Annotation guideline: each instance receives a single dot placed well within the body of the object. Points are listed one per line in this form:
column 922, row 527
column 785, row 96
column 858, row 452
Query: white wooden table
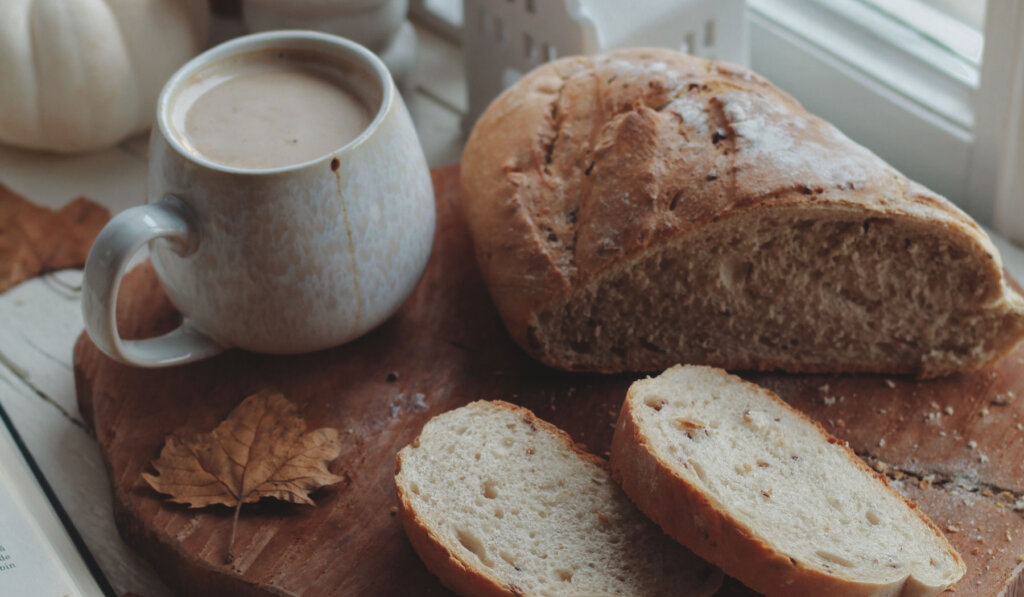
column 40, row 319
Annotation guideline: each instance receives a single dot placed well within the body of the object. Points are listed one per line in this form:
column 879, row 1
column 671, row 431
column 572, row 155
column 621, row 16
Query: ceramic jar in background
column 279, row 260
column 380, row 25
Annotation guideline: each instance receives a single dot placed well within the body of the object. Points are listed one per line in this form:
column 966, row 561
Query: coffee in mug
column 270, row 109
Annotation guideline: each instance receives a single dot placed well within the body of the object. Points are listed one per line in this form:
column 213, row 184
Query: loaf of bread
column 755, row 487
column 642, row 207
column 499, row 503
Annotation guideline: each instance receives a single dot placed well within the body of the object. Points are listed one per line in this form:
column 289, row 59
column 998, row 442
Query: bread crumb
column 890, row 383
column 828, row 400
column 394, row 510
column 983, row 458
column 984, row 412
column 1003, row 399
column 1020, row 558
column 976, row 551
column 972, row 444
column 881, row 467
column 952, row 528
column 840, row 423
column 948, row 410
column 935, row 405
column 1020, row 427
column 823, row 388
column 881, row 443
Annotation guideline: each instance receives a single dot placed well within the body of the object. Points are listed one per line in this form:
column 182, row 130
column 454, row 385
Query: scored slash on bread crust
column 755, row 487
column 497, row 502
column 639, row 208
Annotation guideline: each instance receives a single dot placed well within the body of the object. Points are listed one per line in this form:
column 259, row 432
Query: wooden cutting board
column 955, row 445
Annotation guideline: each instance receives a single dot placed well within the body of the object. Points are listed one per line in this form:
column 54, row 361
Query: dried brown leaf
column 261, row 450
column 34, row 239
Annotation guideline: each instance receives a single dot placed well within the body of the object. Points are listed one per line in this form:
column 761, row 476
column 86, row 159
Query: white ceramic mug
column 282, row 260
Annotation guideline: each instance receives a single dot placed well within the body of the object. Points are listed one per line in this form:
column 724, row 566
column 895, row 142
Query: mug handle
column 108, row 259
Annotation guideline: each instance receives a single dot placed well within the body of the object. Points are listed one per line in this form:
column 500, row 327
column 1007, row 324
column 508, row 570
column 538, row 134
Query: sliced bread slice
column 497, row 502
column 763, row 492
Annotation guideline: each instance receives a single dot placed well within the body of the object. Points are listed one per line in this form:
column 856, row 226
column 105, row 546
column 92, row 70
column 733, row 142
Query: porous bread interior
column 514, row 500
column 775, row 473
column 793, row 288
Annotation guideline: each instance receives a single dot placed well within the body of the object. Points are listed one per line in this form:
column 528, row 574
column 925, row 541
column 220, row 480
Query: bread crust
column 582, row 168
column 472, row 580
column 689, row 516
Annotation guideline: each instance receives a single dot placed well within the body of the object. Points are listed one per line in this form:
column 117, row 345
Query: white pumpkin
column 83, row 74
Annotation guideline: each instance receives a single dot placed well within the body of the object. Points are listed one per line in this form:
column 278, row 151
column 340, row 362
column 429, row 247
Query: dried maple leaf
column 35, row 239
column 261, row 450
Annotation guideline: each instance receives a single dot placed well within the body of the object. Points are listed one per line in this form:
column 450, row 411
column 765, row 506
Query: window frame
column 997, row 168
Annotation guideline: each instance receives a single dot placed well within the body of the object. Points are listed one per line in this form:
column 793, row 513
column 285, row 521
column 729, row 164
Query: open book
column 41, row 554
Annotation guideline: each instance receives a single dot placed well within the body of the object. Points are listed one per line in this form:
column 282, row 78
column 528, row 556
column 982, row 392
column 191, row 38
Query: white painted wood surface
column 41, row 318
